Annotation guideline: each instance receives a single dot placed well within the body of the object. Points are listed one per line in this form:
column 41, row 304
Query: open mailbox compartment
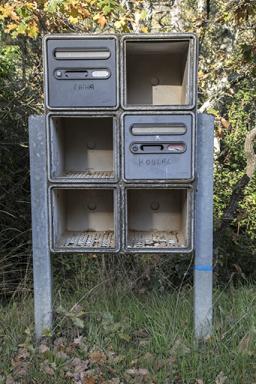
column 159, row 72
column 84, row 219
column 83, row 148
column 159, row 220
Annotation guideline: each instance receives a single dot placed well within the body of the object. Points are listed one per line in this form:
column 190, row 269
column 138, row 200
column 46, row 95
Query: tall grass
column 151, row 331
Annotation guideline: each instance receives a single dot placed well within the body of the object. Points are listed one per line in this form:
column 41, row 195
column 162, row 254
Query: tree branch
column 238, row 190
column 249, row 153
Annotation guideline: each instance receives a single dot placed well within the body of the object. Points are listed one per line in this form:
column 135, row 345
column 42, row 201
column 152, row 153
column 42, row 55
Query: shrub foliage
column 227, row 83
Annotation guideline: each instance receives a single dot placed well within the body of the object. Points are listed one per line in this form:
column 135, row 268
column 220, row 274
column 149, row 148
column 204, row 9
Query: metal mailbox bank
column 121, row 161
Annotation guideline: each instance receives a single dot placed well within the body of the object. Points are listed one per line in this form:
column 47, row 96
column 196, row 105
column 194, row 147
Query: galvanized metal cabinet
column 130, row 174
column 140, row 158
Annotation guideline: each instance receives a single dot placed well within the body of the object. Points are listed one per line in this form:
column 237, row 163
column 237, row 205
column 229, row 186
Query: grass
column 150, row 335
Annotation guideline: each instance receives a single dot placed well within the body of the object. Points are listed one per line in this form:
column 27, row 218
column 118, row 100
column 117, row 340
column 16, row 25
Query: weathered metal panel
column 204, row 227
column 40, row 225
column 164, row 161
column 72, row 66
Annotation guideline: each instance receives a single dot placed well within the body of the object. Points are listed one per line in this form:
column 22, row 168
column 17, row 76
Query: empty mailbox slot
column 82, row 147
column 157, row 73
column 83, row 218
column 158, row 218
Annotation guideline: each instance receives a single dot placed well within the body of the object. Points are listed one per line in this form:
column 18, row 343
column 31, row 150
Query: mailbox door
column 80, row 72
column 158, row 147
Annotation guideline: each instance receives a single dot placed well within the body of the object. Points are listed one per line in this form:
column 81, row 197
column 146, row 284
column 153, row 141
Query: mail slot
column 81, row 53
column 83, row 148
column 158, row 219
column 84, row 219
column 158, row 147
column 81, row 72
column 159, row 71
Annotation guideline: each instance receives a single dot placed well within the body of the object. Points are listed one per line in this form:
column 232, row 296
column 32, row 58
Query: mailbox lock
column 135, row 148
column 156, row 147
column 151, row 148
column 82, row 73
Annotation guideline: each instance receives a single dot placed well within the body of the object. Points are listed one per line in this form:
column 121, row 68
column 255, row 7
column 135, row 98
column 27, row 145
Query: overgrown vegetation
column 119, row 338
column 227, row 84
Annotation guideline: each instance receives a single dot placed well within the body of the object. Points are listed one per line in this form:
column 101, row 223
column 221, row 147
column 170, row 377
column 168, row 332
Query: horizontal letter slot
column 152, row 129
column 152, row 148
column 82, row 54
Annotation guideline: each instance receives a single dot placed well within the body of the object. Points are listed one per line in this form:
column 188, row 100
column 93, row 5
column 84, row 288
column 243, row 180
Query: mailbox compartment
column 84, row 219
column 158, row 219
column 159, row 71
column 83, row 148
column 81, row 71
column 158, row 147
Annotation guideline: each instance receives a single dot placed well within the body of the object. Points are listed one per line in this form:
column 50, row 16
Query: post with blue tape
column 203, row 273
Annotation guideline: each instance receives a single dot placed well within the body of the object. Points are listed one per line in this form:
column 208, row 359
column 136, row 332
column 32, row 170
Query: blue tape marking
column 205, row 268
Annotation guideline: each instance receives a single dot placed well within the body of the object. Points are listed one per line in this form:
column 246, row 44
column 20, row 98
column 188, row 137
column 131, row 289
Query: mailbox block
column 121, row 176
column 144, row 152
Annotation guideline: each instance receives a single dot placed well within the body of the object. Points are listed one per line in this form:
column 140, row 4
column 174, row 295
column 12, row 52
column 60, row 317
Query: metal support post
column 204, row 227
column 40, row 226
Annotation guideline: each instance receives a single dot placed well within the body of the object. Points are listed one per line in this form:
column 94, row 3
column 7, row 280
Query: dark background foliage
column 227, row 89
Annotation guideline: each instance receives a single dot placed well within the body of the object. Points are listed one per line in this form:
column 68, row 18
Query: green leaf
column 78, row 322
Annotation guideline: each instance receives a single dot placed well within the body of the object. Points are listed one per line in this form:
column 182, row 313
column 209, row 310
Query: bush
column 227, row 80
